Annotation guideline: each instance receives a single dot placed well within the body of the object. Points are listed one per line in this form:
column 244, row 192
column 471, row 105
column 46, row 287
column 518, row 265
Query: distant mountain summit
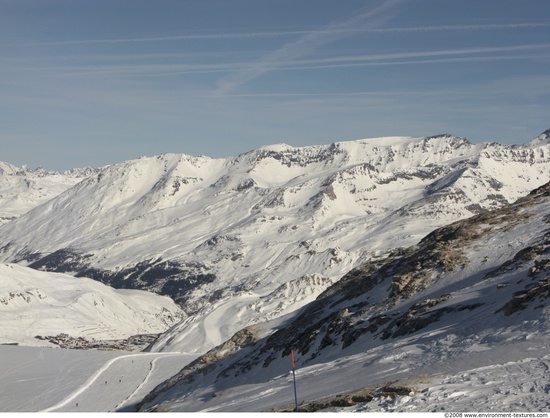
column 260, row 235
column 21, row 188
column 543, row 138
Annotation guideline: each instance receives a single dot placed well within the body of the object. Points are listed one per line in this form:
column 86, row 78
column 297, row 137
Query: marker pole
column 294, row 378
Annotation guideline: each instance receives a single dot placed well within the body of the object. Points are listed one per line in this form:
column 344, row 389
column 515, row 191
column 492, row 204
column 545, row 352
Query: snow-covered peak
column 212, row 233
column 22, row 189
column 7, row 169
column 273, row 148
column 542, row 139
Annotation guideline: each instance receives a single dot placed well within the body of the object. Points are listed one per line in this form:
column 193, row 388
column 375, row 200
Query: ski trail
column 92, row 380
column 145, row 380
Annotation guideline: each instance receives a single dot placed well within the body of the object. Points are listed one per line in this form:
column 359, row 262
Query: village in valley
column 133, row 343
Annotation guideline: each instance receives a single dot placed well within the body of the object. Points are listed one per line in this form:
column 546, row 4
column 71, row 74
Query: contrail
column 399, row 58
column 349, row 60
column 306, row 44
column 342, row 31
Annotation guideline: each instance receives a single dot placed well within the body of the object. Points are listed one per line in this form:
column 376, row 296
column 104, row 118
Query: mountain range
column 262, row 234
column 21, row 188
column 409, row 256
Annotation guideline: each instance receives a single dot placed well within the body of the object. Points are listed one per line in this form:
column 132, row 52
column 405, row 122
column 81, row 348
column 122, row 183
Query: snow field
column 35, row 378
column 55, row 380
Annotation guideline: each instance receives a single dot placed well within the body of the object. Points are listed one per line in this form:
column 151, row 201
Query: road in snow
column 52, row 379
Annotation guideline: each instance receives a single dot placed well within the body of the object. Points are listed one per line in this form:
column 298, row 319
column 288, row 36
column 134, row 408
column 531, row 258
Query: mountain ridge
column 456, row 302
column 22, row 189
column 205, row 231
column 399, row 259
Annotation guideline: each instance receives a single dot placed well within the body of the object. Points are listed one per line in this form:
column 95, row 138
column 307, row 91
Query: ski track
column 145, row 381
column 86, row 385
column 108, row 372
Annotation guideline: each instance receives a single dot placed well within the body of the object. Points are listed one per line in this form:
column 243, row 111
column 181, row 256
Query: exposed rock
column 538, row 291
column 391, row 389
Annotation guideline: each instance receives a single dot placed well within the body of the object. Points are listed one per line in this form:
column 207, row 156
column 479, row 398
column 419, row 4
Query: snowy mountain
column 35, row 303
column 21, row 189
column 361, row 256
column 458, row 322
column 258, row 236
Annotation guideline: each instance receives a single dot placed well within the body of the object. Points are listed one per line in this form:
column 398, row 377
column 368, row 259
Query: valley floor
column 52, row 379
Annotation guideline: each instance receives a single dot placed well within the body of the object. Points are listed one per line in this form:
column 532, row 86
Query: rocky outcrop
column 390, row 389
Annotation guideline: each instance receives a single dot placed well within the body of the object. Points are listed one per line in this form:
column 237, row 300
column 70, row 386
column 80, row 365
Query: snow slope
column 36, row 379
column 47, row 304
column 458, row 322
column 21, row 189
column 460, row 319
column 266, row 231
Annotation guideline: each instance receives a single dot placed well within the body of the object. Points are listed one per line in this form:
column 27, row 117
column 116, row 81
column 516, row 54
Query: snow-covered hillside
column 333, row 251
column 35, row 303
column 458, row 322
column 262, row 234
column 21, row 189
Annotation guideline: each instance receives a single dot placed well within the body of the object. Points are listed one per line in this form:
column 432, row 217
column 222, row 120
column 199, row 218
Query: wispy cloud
column 389, row 59
column 288, row 64
column 496, row 26
column 307, row 44
column 180, row 38
column 345, row 31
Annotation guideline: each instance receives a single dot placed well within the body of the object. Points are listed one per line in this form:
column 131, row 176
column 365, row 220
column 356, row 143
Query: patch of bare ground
column 538, row 292
column 390, row 389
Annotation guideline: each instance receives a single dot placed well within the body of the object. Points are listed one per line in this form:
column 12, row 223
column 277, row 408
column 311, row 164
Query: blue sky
column 96, row 82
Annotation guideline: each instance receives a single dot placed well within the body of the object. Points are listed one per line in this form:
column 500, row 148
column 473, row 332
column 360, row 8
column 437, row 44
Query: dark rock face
column 160, row 276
